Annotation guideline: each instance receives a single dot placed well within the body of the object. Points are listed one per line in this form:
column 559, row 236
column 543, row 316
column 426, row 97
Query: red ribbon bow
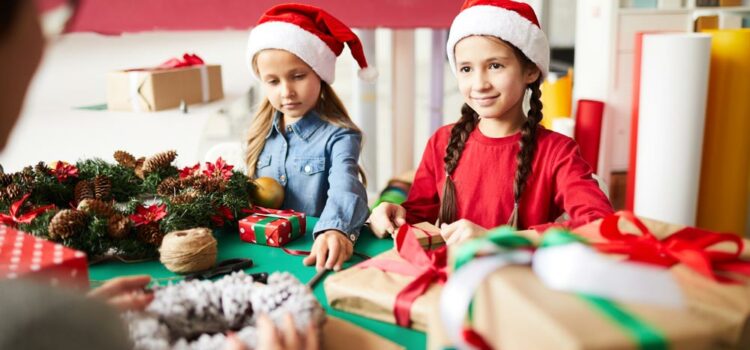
column 268, row 211
column 14, row 219
column 689, row 246
column 429, row 266
column 188, row 60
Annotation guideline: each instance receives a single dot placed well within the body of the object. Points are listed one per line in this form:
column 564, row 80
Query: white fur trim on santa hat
column 368, row 74
column 504, row 24
column 286, row 36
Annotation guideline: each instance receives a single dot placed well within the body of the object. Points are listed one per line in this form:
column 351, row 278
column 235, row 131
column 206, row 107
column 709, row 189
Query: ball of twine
column 188, row 251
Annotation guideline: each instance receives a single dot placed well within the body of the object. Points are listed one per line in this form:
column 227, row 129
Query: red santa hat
column 312, row 34
column 511, row 21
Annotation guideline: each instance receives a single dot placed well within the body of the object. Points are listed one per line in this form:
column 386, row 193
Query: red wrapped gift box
column 25, row 256
column 272, row 227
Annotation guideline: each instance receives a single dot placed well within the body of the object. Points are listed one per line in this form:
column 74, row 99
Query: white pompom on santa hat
column 312, row 34
column 511, row 21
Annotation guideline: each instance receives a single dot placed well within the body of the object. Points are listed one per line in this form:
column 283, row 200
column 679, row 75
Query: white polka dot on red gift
column 79, row 255
column 242, row 230
column 15, row 259
column 11, row 275
column 17, row 252
column 58, row 247
column 35, row 267
column 74, row 273
column 57, row 261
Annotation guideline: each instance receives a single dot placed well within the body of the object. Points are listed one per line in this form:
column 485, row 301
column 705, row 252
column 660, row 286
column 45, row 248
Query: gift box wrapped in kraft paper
column 398, row 286
column 165, row 86
column 428, row 235
column 613, row 289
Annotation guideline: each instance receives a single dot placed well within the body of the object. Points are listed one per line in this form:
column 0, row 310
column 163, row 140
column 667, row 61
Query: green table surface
column 270, row 259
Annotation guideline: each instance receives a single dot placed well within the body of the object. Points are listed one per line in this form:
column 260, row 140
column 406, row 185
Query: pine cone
column 125, row 159
column 159, row 161
column 25, row 177
column 6, row 179
column 209, row 184
column 84, row 190
column 14, row 191
column 118, row 226
column 169, row 187
column 102, row 187
column 97, row 208
column 185, row 198
column 66, row 223
column 41, row 168
column 139, row 168
column 150, row 234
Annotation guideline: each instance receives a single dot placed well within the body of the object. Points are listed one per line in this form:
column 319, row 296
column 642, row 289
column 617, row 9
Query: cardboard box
column 428, row 235
column 512, row 307
column 372, row 293
column 25, row 256
column 157, row 89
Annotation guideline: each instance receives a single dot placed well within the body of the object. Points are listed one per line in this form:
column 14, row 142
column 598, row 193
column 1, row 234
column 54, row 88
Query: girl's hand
column 330, row 250
column 386, row 218
column 460, row 231
column 125, row 293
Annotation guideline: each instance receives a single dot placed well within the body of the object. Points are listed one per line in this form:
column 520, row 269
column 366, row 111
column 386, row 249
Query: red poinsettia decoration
column 148, row 214
column 63, row 171
column 14, row 217
column 190, row 171
column 223, row 214
column 219, row 169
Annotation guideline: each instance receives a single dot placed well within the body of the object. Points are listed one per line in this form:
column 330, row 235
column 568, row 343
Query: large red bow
column 427, row 265
column 13, row 218
column 188, row 60
column 689, row 246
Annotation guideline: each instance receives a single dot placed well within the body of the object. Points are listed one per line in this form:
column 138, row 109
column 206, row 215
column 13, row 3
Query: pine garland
column 114, row 194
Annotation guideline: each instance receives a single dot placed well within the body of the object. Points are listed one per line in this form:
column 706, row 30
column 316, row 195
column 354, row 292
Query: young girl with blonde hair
column 302, row 135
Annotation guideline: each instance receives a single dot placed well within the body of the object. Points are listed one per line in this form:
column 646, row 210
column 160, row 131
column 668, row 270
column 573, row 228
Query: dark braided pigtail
column 527, row 147
column 459, row 134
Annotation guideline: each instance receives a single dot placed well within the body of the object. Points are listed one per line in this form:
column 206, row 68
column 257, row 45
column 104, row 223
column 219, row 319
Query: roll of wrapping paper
column 674, row 80
column 557, row 97
column 588, row 130
column 723, row 199
column 630, row 179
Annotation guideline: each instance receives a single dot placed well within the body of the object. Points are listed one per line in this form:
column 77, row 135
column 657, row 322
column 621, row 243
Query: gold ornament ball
column 268, row 193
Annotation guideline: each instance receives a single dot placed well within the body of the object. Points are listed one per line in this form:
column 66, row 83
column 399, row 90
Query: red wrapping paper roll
column 588, row 130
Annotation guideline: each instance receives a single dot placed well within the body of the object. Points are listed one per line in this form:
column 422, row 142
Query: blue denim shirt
column 316, row 162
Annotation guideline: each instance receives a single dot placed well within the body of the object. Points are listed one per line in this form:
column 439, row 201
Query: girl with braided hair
column 497, row 165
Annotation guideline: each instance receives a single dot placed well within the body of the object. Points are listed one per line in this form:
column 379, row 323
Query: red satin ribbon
column 689, row 246
column 268, row 211
column 428, row 266
column 14, row 219
column 188, row 60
